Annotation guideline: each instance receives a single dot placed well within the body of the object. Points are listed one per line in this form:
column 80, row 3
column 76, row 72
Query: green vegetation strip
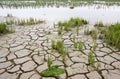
column 3, row 28
column 53, row 71
column 112, row 35
column 72, row 23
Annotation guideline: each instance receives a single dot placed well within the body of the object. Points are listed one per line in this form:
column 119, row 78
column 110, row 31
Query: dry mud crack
column 19, row 57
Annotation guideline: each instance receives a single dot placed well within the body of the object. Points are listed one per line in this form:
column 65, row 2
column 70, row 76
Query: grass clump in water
column 87, row 32
column 112, row 35
column 30, row 21
column 99, row 24
column 93, row 34
column 72, row 23
column 3, row 28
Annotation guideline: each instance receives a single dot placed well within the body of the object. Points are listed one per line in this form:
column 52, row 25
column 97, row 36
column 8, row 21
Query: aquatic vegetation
column 112, row 35
column 30, row 21
column 93, row 34
column 52, row 70
column 99, row 24
column 9, row 15
column 91, row 59
column 10, row 22
column 72, row 23
column 87, row 32
column 3, row 28
column 51, row 3
column 102, row 34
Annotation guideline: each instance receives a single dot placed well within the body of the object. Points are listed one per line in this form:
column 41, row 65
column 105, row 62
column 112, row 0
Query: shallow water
column 92, row 13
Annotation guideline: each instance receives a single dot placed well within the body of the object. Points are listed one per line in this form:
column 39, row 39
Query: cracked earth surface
column 23, row 55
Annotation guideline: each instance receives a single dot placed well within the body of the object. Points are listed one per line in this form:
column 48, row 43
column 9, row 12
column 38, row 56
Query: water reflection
column 56, row 10
column 56, row 3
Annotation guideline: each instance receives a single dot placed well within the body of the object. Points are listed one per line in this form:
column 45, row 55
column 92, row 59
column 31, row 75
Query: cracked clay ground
column 23, row 55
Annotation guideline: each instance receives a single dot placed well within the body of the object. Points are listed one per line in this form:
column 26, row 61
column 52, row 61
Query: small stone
column 28, row 66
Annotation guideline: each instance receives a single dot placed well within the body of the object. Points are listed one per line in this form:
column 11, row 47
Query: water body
column 53, row 12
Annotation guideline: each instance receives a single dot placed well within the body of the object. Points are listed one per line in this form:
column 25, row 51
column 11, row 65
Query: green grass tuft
column 99, row 24
column 112, row 35
column 91, row 59
column 3, row 28
column 52, row 72
column 72, row 23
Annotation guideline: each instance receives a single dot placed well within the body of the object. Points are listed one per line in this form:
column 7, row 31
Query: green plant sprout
column 91, row 59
